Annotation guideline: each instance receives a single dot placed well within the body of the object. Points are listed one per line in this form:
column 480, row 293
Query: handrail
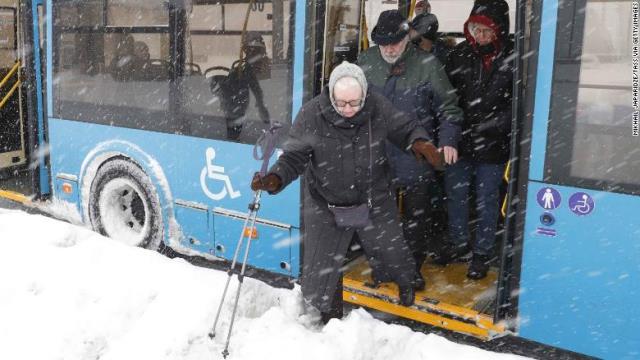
column 14, row 87
column 10, row 73
column 507, row 171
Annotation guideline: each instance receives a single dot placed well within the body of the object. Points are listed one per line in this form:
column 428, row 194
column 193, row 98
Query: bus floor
column 450, row 300
column 16, row 184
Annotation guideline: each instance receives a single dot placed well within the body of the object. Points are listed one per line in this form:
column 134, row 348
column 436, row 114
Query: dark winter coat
column 418, row 85
column 484, row 93
column 333, row 154
column 441, row 49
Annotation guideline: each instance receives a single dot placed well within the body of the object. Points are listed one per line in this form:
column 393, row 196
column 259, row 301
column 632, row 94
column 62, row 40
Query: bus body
column 149, row 115
column 580, row 251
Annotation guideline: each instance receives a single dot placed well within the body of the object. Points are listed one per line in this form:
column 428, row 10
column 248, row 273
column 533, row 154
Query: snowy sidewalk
column 68, row 293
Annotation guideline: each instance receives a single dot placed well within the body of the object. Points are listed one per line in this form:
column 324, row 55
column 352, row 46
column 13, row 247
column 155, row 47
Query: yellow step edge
column 14, row 196
column 439, row 314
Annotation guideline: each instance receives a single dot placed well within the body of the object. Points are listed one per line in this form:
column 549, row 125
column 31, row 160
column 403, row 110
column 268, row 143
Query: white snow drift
column 68, row 293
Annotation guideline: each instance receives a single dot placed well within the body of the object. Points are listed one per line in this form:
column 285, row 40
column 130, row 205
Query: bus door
column 450, row 300
column 579, row 281
column 12, row 135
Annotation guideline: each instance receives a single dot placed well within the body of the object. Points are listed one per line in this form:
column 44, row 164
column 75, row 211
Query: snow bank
column 68, row 293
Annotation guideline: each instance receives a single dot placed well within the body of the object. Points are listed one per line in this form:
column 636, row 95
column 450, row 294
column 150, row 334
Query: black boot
column 374, row 284
column 407, row 295
column 479, row 267
column 325, row 317
column 378, row 277
column 450, row 254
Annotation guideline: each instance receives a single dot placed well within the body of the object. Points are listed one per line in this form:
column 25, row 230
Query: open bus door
column 22, row 132
column 450, row 300
column 12, row 136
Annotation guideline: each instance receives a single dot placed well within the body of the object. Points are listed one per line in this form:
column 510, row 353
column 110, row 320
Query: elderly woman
column 337, row 141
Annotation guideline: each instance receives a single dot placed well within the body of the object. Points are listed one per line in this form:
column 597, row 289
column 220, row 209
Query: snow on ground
column 69, row 293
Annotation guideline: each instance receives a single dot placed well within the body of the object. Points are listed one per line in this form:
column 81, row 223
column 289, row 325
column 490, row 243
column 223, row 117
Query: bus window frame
column 565, row 86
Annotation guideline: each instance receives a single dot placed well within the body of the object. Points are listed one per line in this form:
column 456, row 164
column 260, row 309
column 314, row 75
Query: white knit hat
column 347, row 69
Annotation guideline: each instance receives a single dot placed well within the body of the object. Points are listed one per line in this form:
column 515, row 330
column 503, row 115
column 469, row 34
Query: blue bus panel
column 197, row 180
column 580, row 279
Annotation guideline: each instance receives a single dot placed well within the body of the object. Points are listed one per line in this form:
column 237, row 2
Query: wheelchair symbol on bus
column 215, row 172
column 581, row 203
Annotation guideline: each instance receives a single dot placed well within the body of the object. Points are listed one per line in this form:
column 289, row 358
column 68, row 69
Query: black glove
column 270, row 182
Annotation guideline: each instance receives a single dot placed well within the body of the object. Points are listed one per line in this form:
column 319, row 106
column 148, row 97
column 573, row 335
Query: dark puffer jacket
column 333, row 154
column 483, row 79
column 417, row 85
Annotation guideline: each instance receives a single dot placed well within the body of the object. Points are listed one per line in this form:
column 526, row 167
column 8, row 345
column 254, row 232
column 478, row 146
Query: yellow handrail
column 13, row 89
column 412, row 9
column 6, row 79
column 10, row 73
column 505, row 177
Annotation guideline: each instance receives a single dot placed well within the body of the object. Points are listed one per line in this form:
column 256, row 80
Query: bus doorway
column 12, row 139
column 450, row 300
column 16, row 179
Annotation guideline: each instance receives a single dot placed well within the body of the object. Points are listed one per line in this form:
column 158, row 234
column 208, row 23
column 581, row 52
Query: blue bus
column 141, row 116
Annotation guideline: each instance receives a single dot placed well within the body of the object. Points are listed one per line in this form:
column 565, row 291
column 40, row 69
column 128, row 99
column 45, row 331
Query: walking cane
column 266, row 143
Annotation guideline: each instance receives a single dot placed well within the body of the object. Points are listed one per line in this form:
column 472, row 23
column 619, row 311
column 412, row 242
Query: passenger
column 424, row 34
column 122, row 66
column 480, row 70
column 415, row 82
column 337, row 141
column 257, row 67
column 142, row 62
column 422, row 7
column 243, row 77
column 141, row 52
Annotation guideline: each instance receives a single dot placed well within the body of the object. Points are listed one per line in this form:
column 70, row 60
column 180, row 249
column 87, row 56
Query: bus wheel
column 124, row 205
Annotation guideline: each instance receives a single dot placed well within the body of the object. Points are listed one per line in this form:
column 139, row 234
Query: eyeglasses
column 352, row 103
column 484, row 31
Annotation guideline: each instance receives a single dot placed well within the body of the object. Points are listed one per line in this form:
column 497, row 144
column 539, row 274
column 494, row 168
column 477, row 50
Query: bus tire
column 124, row 205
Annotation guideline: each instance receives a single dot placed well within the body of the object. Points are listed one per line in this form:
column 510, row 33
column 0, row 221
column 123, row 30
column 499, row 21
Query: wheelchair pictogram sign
column 215, row 172
column 581, row 203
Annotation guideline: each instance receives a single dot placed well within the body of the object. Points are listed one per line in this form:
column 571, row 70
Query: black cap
column 390, row 29
column 426, row 25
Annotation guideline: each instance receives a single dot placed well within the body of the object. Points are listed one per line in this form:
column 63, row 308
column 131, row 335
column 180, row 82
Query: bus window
column 114, row 73
column 147, row 13
column 590, row 141
column 237, row 69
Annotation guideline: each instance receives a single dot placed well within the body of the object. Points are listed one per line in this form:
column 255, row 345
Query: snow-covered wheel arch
column 124, row 205
column 129, row 178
